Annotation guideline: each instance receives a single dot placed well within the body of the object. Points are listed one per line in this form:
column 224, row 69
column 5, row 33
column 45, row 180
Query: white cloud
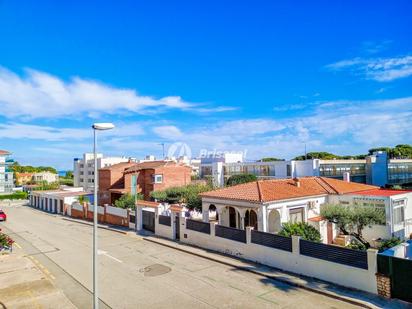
column 379, row 69
column 42, row 95
column 47, row 133
column 168, row 132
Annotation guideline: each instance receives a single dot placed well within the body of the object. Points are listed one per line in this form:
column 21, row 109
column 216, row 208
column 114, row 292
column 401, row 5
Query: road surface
column 134, row 273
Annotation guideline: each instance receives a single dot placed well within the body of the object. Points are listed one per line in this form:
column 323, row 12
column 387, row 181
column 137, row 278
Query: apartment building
column 376, row 169
column 83, row 169
column 6, row 175
column 145, row 177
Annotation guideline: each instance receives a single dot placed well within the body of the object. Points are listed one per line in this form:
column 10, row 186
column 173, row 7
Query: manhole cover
column 155, row 270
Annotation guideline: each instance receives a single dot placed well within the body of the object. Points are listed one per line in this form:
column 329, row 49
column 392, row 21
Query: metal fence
column 272, row 240
column 165, row 220
column 350, row 257
column 400, row 272
column 198, row 226
column 230, row 233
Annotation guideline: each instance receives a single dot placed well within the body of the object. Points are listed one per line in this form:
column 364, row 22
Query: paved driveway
column 134, row 273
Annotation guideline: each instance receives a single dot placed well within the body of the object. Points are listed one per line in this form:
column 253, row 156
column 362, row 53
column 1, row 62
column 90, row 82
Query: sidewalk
column 355, row 297
column 113, row 228
column 25, row 283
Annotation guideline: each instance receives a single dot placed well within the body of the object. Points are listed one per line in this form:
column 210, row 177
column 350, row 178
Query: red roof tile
column 284, row 189
column 151, row 165
column 382, row 192
column 148, row 204
column 4, row 152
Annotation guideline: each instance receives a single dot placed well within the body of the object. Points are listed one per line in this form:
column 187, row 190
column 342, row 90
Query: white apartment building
column 6, row 175
column 83, row 169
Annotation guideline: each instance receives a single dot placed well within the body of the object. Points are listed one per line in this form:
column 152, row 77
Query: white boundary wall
column 116, row 211
column 77, row 206
column 340, row 274
column 100, row 209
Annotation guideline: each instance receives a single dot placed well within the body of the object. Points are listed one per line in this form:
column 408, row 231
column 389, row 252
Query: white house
column 267, row 204
column 45, row 176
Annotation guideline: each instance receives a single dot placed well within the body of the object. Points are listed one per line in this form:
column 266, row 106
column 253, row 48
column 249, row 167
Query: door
column 401, row 278
column 61, row 206
column 177, row 226
column 329, row 228
column 148, row 220
column 232, row 217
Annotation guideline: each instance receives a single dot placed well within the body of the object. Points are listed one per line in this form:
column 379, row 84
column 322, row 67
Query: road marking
column 101, row 252
column 17, row 245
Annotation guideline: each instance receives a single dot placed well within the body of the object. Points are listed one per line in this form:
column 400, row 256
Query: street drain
column 155, row 270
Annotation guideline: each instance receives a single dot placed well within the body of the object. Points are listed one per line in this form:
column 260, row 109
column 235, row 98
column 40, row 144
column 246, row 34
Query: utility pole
column 163, row 147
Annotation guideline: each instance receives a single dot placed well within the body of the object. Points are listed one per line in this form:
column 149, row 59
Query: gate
column 177, row 226
column 400, row 272
column 148, row 220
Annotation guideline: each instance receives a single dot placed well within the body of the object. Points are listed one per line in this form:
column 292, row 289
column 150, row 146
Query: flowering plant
column 5, row 241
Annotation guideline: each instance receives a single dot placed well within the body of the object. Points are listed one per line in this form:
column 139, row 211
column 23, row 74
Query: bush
column 356, row 245
column 14, row 196
column 5, row 241
column 128, row 201
column 304, row 230
column 389, row 243
column 242, row 178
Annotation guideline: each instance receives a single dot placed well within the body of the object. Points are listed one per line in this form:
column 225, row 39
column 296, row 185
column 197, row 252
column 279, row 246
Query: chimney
column 297, row 182
column 346, row 176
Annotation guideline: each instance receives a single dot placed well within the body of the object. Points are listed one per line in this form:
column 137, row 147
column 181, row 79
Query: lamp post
column 96, row 127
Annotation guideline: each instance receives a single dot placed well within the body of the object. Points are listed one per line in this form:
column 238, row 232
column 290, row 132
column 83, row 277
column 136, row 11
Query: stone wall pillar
column 139, row 218
column 296, row 244
column 249, row 234
column 384, row 285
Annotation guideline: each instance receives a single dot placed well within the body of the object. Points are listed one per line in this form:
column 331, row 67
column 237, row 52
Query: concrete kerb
column 165, row 242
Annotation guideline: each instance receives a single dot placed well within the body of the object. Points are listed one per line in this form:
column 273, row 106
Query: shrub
column 356, row 245
column 304, row 230
column 5, row 241
column 389, row 243
column 20, row 195
column 128, row 201
column 238, row 179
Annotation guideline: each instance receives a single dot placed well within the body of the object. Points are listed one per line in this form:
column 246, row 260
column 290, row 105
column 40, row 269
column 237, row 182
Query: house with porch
column 267, row 204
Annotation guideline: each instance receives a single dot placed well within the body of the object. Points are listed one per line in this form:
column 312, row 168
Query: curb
column 352, row 301
column 99, row 226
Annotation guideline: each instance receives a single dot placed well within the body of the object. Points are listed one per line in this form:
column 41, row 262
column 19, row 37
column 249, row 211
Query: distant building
column 6, row 174
column 83, row 169
column 48, row 177
column 144, row 178
column 376, row 169
column 23, row 178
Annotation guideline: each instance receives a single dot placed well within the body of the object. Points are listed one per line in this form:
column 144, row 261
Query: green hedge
column 14, row 196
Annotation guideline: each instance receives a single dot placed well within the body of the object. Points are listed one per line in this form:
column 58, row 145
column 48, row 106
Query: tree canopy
column 17, row 168
column 186, row 194
column 270, row 159
column 352, row 219
column 241, row 178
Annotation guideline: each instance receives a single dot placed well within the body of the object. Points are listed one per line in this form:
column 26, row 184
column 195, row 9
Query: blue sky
column 264, row 77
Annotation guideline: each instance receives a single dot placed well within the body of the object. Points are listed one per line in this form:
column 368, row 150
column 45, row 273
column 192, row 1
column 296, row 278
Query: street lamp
column 96, row 127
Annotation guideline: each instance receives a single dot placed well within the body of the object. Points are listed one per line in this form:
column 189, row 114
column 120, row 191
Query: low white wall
column 100, row 209
column 163, row 230
column 77, row 206
column 116, row 211
column 290, row 261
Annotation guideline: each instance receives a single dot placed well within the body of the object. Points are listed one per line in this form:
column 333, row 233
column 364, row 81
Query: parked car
column 3, row 215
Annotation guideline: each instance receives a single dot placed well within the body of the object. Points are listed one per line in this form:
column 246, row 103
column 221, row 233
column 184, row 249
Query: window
column 157, row 178
column 398, row 215
column 288, row 170
column 297, row 215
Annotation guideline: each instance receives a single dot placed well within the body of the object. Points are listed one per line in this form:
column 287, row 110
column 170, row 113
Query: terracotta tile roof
column 284, row 189
column 151, row 165
column 175, row 207
column 119, row 166
column 383, row 192
column 148, row 204
column 316, row 219
column 4, row 152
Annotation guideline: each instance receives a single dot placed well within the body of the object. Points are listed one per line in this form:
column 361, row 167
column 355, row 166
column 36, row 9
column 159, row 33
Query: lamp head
column 103, row 126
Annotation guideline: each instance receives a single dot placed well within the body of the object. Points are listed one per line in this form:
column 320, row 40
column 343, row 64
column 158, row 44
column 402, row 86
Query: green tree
column 128, row 201
column 270, row 159
column 352, row 220
column 318, row 155
column 239, row 179
column 389, row 243
column 304, row 230
column 83, row 199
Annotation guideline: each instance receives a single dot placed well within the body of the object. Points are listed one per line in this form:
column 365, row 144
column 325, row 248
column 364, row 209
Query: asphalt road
column 134, row 273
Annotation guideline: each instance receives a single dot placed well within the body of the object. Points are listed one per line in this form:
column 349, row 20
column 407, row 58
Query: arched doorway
column 274, row 225
column 211, row 209
column 232, row 217
column 251, row 219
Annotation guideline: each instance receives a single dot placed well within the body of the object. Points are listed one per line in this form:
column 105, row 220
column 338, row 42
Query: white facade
column 83, row 169
column 45, row 176
column 6, row 177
